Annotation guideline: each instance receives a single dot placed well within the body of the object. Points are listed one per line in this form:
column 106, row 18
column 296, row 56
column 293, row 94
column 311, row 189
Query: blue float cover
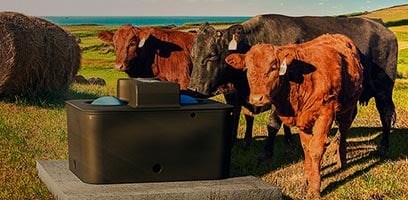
column 107, row 101
column 185, row 99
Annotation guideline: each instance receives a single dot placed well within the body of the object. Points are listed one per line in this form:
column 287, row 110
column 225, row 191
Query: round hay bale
column 37, row 57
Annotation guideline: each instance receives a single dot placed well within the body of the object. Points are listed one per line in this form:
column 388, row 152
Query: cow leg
column 344, row 122
column 307, row 165
column 314, row 147
column 249, row 118
column 386, row 108
column 288, row 139
column 232, row 99
column 273, row 127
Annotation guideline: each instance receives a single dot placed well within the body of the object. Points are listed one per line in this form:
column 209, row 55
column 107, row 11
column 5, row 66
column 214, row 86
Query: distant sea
column 141, row 20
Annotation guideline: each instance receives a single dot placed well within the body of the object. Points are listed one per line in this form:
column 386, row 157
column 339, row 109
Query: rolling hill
column 392, row 16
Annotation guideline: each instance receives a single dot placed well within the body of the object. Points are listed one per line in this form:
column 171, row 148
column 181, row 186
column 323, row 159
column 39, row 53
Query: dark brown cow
column 311, row 84
column 152, row 52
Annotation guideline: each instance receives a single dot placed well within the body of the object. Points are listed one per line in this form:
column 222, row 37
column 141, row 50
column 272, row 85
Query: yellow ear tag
column 232, row 44
column 141, row 43
column 283, row 68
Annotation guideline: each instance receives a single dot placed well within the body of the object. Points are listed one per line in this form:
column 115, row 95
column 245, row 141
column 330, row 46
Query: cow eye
column 213, row 51
column 132, row 43
column 268, row 73
column 271, row 69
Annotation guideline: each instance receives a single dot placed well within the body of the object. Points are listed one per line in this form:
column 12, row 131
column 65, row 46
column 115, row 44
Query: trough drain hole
column 193, row 115
column 157, row 168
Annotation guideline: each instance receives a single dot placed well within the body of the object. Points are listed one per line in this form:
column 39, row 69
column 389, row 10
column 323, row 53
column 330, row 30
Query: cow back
column 377, row 45
column 172, row 60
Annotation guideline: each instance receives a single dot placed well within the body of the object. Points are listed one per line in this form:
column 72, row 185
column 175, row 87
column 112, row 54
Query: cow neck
column 283, row 80
column 159, row 45
column 238, row 78
column 148, row 60
column 281, row 99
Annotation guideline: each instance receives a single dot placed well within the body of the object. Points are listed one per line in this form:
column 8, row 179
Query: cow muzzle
column 259, row 100
column 120, row 67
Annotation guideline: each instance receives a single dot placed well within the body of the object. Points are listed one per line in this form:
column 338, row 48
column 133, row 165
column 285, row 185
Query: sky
column 192, row 7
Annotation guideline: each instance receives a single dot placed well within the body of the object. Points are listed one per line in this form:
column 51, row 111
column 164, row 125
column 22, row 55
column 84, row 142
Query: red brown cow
column 152, row 52
column 311, row 84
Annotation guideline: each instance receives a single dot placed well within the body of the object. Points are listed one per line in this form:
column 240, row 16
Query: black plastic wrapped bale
column 122, row 144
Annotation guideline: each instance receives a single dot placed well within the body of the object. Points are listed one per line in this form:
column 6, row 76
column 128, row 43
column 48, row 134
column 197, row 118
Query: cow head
column 210, row 48
column 266, row 66
column 129, row 42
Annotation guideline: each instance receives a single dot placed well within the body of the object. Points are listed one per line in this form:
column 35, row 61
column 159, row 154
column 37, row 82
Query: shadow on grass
column 53, row 101
column 361, row 156
column 365, row 136
column 397, row 23
column 246, row 162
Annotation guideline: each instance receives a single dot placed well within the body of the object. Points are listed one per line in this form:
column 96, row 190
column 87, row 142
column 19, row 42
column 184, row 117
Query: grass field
column 37, row 131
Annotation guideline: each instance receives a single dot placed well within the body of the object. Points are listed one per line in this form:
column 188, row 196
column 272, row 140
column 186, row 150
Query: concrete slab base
column 63, row 184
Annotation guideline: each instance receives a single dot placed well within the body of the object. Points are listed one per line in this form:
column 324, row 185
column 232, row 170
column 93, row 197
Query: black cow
column 377, row 45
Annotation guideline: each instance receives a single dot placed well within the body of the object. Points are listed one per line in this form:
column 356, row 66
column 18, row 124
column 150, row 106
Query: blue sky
column 192, row 7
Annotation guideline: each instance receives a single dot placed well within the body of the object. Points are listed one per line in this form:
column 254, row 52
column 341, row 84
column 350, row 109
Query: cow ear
column 106, row 36
column 206, row 28
column 236, row 29
column 203, row 26
column 236, row 60
column 143, row 35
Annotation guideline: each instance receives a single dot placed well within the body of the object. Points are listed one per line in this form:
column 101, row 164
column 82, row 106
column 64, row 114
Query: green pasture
column 37, row 131
column 402, row 36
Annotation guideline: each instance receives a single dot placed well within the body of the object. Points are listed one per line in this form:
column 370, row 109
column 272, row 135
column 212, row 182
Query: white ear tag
column 232, row 45
column 283, row 68
column 141, row 43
